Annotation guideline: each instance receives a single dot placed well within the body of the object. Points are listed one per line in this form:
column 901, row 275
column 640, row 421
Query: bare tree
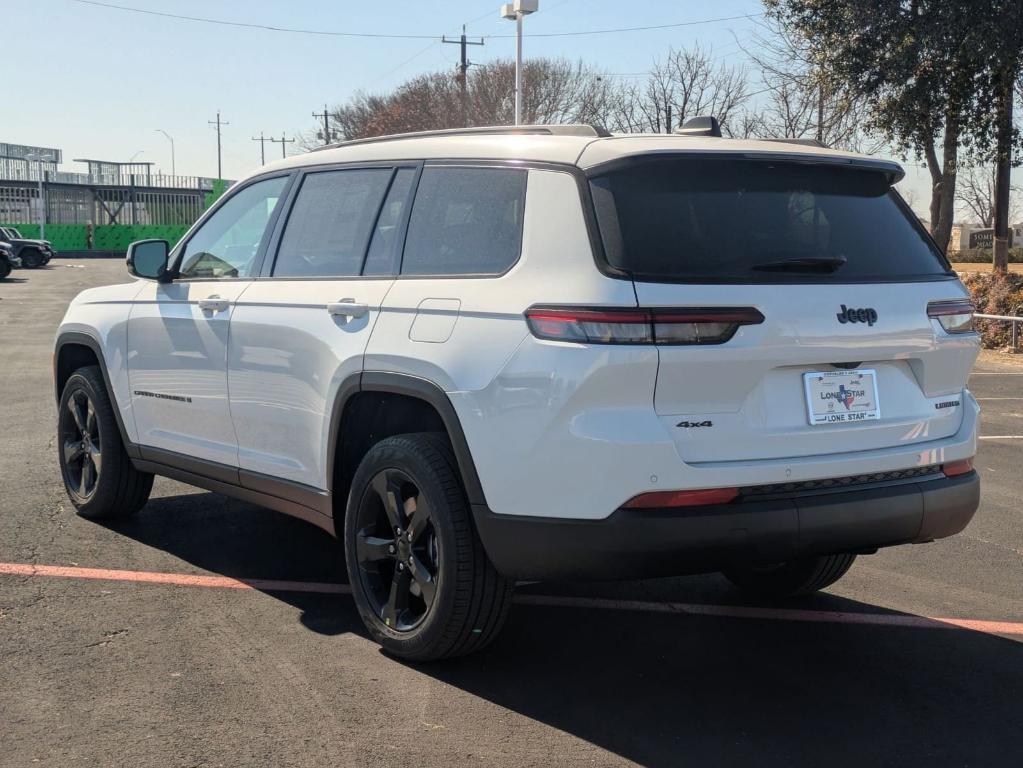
column 975, row 191
column 683, row 84
column 803, row 101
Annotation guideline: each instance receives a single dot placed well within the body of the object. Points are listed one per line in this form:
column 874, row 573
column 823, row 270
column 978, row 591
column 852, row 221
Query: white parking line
column 997, row 373
column 1000, row 437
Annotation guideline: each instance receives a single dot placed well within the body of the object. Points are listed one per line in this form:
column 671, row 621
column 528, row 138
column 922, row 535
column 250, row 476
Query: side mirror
column 148, row 259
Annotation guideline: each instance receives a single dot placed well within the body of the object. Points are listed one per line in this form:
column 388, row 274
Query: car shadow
column 661, row 688
column 243, row 541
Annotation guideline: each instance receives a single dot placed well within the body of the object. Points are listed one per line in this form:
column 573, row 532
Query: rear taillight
column 667, row 499
column 955, row 316
column 954, row 468
column 684, row 325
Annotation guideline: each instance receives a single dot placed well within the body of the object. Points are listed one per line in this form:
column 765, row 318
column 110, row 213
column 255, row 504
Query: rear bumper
column 635, row 543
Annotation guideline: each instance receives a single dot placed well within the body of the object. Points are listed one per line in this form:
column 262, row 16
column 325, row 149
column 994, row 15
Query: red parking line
column 175, row 579
column 700, row 609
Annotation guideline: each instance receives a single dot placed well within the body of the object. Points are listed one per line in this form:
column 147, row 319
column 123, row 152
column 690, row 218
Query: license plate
column 836, row 397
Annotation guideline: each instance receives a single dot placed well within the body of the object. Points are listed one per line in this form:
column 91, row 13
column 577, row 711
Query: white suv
column 484, row 355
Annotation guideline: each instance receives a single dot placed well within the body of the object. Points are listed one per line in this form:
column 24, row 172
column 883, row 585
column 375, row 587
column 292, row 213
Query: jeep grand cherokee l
column 485, row 355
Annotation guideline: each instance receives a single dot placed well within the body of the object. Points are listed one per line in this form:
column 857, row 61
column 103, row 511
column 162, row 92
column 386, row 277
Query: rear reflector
column 666, row 499
column 955, row 316
column 684, row 325
column 954, row 468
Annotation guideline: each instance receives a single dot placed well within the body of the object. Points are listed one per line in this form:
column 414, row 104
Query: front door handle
column 347, row 308
column 213, row 304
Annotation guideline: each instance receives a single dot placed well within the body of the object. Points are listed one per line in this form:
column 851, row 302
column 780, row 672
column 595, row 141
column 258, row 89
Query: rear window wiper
column 803, row 264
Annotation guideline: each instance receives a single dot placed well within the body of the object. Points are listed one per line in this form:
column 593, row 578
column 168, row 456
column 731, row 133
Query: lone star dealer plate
column 835, row 397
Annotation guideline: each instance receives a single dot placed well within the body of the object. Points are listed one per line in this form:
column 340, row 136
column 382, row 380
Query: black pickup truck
column 33, row 253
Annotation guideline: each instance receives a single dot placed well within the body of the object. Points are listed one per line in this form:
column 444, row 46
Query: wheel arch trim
column 420, row 389
column 78, row 338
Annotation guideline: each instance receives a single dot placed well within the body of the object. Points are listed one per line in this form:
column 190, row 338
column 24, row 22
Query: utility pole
column 262, row 147
column 325, row 115
column 464, row 63
column 283, row 141
column 463, row 67
column 218, row 123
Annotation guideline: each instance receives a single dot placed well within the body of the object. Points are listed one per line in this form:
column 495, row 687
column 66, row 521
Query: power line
column 635, row 29
column 252, row 25
column 389, row 36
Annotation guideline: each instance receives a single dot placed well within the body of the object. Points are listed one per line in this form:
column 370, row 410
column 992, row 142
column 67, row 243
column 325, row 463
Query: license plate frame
column 828, row 401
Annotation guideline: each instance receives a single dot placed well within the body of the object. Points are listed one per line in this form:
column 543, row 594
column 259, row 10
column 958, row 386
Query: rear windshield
column 714, row 219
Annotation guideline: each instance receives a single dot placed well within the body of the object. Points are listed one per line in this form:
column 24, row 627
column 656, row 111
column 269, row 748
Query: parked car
column 7, row 260
column 33, row 253
column 484, row 355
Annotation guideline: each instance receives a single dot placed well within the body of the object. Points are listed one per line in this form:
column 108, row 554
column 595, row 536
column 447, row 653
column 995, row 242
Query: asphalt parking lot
column 915, row 658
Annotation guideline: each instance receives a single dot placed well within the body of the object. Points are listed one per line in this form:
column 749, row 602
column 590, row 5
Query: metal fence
column 1014, row 319
column 105, row 199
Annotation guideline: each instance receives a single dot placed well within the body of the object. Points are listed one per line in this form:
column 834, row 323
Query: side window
column 382, row 258
column 227, row 243
column 330, row 224
column 465, row 221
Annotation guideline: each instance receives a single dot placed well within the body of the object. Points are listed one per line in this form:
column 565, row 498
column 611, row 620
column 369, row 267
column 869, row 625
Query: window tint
column 382, row 258
column 227, row 243
column 330, row 223
column 465, row 221
column 739, row 220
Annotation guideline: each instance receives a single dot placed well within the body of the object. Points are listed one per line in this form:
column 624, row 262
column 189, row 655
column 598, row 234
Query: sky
column 99, row 82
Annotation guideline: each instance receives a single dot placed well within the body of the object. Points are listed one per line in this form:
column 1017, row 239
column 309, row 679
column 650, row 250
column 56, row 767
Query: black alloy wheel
column 81, row 445
column 397, row 550
column 101, row 481
column 421, row 579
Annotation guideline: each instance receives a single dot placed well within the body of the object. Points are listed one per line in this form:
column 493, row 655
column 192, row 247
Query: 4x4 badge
column 866, row 315
column 690, row 424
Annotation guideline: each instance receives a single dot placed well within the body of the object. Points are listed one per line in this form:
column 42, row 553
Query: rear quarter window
column 714, row 219
column 465, row 221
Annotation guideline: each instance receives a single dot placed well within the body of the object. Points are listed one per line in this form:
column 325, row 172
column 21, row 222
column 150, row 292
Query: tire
column 98, row 475
column 423, row 585
column 31, row 258
column 792, row 578
column 5, row 268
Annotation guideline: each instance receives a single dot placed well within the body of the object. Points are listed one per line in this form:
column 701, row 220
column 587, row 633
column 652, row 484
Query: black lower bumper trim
column 638, row 543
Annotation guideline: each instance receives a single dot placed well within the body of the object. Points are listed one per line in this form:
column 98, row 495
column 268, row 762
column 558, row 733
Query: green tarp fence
column 109, row 237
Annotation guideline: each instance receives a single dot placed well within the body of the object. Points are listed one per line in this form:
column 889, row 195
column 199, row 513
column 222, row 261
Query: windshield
column 714, row 219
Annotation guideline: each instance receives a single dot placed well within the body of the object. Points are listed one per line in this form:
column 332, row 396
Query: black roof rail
column 704, row 125
column 804, row 142
column 575, row 129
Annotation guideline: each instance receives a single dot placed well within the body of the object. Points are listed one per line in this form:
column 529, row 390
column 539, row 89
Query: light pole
column 516, row 11
column 40, row 159
column 170, row 138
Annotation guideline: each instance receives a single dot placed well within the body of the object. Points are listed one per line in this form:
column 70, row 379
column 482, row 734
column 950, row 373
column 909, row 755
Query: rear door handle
column 347, row 308
column 213, row 304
